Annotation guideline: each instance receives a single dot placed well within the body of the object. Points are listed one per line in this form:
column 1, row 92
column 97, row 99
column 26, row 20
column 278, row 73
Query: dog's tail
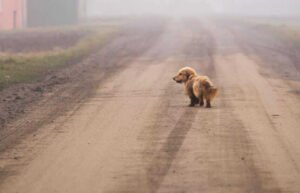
column 212, row 92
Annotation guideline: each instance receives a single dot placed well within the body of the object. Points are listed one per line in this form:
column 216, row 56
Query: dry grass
column 285, row 31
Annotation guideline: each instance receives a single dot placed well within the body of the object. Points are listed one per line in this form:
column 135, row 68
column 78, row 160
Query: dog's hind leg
column 208, row 105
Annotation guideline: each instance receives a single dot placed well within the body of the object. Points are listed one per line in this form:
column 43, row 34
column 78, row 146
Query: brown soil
column 40, row 40
column 74, row 80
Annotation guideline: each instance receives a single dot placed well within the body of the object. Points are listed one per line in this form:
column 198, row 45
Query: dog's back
column 204, row 86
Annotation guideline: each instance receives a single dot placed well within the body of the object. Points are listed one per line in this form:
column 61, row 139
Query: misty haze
column 194, row 7
column 149, row 96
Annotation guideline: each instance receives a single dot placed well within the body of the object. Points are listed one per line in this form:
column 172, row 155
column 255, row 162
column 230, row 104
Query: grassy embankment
column 18, row 68
column 288, row 29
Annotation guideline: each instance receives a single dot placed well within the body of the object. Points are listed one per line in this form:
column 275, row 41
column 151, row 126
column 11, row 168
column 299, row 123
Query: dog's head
column 184, row 74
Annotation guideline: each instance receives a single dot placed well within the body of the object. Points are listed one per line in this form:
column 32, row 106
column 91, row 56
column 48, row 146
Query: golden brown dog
column 196, row 87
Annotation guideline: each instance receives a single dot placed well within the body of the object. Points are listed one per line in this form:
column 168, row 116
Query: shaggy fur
column 198, row 88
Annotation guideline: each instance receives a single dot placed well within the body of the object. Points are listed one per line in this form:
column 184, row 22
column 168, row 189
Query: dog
column 197, row 88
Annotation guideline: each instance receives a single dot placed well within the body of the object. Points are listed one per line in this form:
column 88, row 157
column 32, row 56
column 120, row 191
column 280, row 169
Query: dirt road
column 135, row 133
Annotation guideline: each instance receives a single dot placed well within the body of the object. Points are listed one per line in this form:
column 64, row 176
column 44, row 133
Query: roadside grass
column 19, row 68
column 285, row 31
column 288, row 29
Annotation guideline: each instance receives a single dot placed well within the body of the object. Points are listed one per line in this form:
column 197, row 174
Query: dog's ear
column 188, row 74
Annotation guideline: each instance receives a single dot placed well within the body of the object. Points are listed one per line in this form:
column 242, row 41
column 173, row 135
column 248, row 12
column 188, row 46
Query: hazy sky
column 265, row 7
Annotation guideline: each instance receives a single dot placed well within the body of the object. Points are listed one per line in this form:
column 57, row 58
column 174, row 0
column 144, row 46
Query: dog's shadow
column 162, row 162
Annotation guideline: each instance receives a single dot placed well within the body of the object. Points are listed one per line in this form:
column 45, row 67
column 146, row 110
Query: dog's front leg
column 194, row 101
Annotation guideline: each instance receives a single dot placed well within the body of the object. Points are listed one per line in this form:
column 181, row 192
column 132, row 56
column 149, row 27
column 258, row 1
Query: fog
column 194, row 7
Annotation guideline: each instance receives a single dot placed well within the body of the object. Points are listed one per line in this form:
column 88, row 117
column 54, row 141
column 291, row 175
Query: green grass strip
column 19, row 68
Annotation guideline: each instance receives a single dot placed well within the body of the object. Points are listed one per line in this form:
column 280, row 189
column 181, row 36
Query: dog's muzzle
column 178, row 81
